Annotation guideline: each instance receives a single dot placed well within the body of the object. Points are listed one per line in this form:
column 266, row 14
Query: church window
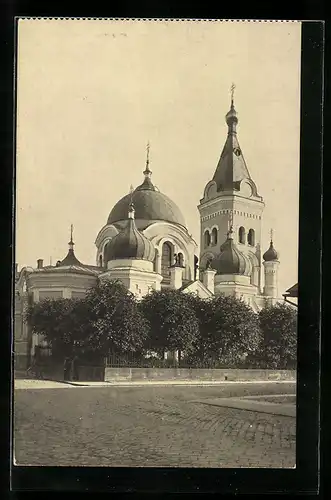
column 166, row 260
column 251, row 237
column 207, row 238
column 181, row 260
column 242, row 235
column 214, row 236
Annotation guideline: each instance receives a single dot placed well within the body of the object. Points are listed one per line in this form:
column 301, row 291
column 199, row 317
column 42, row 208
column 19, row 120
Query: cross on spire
column 71, row 242
column 271, row 235
column 232, row 88
column 147, row 172
column 147, row 151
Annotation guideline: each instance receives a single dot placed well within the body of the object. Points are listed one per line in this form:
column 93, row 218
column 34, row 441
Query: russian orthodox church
column 146, row 245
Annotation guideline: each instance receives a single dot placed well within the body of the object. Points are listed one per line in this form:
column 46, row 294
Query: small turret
column 271, row 264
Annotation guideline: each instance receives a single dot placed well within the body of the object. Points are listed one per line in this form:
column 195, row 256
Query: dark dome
column 270, row 254
column 130, row 244
column 149, row 205
column 231, row 260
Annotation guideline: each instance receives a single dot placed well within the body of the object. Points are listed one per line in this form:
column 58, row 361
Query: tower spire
column 71, row 242
column 271, row 235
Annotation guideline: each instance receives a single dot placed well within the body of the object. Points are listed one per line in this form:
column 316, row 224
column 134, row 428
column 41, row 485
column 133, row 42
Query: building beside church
column 145, row 243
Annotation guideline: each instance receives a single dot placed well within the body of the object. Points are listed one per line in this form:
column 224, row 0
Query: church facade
column 145, row 244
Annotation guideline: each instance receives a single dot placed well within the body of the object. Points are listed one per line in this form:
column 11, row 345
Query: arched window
column 100, row 260
column 180, row 259
column 242, row 235
column 207, row 238
column 166, row 260
column 196, row 267
column 105, row 253
column 214, row 236
column 251, row 237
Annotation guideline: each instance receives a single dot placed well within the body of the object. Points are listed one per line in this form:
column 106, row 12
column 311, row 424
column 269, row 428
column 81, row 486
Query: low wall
column 196, row 374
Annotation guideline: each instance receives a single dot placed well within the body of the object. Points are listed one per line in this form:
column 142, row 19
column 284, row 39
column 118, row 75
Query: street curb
column 171, row 383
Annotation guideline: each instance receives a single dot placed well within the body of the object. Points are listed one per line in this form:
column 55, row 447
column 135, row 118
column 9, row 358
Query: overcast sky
column 92, row 93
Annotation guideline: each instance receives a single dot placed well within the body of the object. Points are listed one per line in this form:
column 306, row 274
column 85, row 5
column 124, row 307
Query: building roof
column 292, row 291
column 231, row 168
column 130, row 243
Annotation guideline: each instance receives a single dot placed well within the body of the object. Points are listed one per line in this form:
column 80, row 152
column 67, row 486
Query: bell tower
column 232, row 193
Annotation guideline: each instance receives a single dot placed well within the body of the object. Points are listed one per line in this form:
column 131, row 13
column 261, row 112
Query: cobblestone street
column 153, row 426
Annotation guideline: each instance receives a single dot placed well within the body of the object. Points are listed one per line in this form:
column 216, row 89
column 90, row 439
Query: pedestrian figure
column 74, row 368
column 66, row 368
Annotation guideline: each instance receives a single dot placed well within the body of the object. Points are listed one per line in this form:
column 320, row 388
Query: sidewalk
column 48, row 384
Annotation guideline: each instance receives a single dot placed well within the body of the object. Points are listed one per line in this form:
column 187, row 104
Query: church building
column 146, row 245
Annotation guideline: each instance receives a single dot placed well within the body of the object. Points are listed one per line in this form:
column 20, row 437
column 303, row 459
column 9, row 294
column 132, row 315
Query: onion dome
column 271, row 254
column 150, row 205
column 231, row 260
column 70, row 259
column 130, row 243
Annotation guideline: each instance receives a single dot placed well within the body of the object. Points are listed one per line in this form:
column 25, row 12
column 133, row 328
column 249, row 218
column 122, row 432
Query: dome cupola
column 230, row 260
column 130, row 243
column 271, row 254
column 150, row 205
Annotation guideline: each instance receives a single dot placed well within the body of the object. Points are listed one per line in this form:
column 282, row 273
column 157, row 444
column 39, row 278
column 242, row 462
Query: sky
column 92, row 93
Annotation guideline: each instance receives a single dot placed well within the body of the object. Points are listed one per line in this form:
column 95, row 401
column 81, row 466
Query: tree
column 203, row 343
column 115, row 323
column 106, row 319
column 172, row 321
column 59, row 321
column 279, row 336
column 229, row 331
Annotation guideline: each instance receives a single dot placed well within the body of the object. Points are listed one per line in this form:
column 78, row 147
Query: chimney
column 176, row 277
column 40, row 264
column 208, row 278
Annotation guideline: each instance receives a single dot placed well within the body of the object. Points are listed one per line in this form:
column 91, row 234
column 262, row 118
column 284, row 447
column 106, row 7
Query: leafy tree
column 107, row 319
column 60, row 321
column 229, row 331
column 279, row 336
column 115, row 322
column 172, row 320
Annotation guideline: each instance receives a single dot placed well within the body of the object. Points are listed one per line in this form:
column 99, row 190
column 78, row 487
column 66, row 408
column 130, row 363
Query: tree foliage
column 221, row 331
column 173, row 325
column 107, row 319
column 229, row 330
column 62, row 322
column 116, row 324
column 278, row 325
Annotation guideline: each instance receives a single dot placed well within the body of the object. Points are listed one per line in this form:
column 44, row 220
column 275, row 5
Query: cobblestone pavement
column 150, row 426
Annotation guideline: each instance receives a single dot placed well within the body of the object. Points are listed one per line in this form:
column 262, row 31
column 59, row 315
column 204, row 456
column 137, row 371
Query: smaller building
column 292, row 293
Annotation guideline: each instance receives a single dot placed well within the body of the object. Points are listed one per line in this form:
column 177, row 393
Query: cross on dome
column 232, row 89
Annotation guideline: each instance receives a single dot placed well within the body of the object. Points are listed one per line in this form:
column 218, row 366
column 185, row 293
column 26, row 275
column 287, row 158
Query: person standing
column 74, row 367
column 66, row 368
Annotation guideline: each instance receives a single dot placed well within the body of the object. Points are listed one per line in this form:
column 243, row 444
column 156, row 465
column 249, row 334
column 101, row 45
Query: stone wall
column 194, row 374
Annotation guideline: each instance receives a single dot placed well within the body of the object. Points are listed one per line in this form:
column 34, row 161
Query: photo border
column 305, row 478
